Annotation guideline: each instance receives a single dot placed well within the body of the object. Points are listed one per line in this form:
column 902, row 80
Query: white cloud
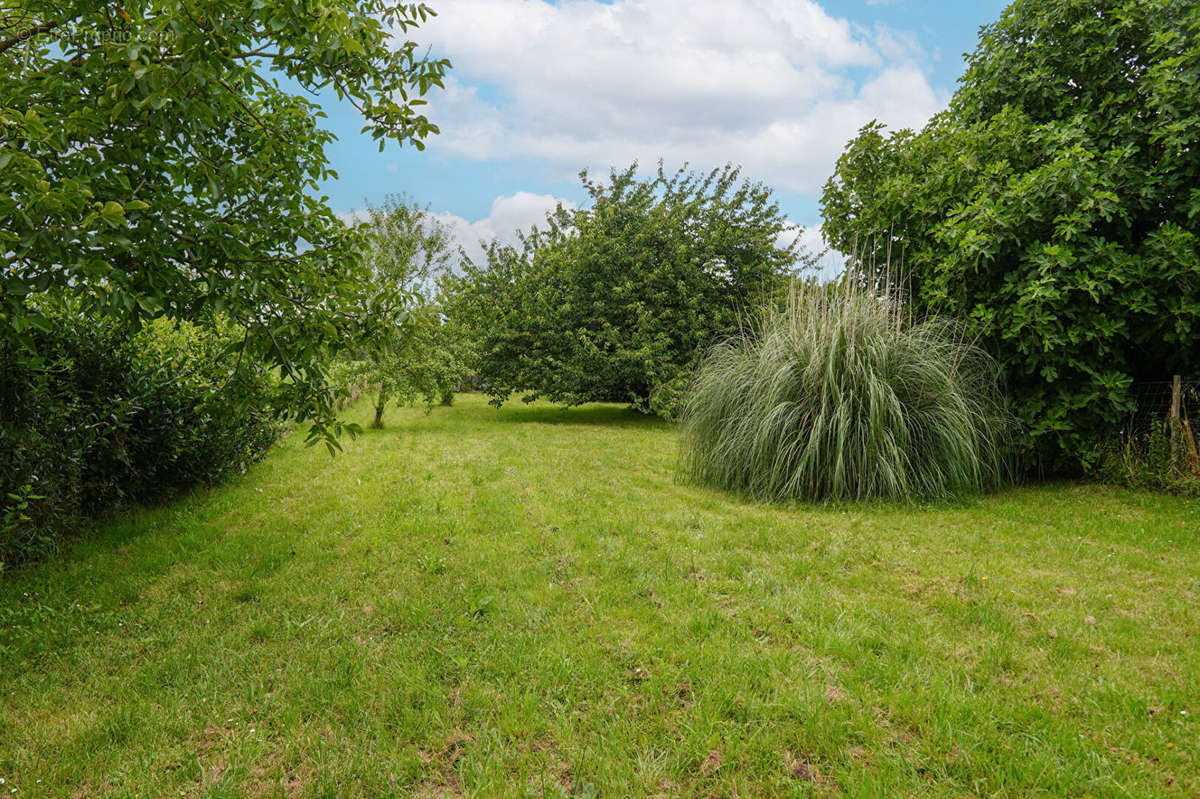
column 352, row 218
column 829, row 262
column 777, row 86
column 518, row 212
column 508, row 215
column 811, row 240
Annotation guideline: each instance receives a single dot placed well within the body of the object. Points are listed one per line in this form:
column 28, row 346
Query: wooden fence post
column 1173, row 417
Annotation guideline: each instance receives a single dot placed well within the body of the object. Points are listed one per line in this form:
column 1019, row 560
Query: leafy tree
column 1053, row 207
column 616, row 301
column 409, row 251
column 151, row 162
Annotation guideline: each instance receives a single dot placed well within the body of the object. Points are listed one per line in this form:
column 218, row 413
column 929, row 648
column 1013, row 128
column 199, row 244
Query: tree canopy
column 154, row 162
column 1053, row 206
column 410, row 251
column 617, row 300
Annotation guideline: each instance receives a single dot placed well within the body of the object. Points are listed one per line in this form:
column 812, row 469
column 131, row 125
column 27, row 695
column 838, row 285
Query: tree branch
column 28, row 33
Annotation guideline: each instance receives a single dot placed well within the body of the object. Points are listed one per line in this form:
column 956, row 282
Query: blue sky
column 540, row 90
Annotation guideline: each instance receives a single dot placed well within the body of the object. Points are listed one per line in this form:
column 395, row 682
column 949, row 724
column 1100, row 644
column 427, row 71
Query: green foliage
column 151, row 163
column 615, row 301
column 667, row 399
column 1053, row 208
column 420, row 356
column 108, row 418
column 408, row 248
column 1149, row 462
column 841, row 396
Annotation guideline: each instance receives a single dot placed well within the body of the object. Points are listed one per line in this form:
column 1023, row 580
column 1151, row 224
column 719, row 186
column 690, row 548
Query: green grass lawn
column 523, row 602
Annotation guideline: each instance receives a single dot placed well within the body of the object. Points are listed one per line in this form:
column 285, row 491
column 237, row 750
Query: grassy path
column 522, row 602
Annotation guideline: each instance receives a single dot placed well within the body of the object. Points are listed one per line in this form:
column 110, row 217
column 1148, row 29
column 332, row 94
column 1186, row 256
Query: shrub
column 112, row 416
column 195, row 420
column 840, row 395
column 667, row 398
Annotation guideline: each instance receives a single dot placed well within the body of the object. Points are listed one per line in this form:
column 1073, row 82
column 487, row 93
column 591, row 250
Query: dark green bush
column 109, row 417
column 668, row 397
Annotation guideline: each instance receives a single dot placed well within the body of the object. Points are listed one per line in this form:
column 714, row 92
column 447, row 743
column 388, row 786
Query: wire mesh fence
column 1153, row 401
column 1164, row 412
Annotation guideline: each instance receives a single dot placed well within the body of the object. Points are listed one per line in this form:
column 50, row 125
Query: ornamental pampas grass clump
column 842, row 395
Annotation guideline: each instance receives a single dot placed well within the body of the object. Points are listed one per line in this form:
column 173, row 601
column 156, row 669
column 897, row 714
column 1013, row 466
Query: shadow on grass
column 915, row 506
column 606, row 415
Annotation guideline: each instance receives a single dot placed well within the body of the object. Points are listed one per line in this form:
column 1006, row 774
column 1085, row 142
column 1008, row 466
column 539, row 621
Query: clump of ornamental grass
column 840, row 394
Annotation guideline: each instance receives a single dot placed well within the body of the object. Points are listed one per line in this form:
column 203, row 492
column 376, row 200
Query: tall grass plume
column 840, row 394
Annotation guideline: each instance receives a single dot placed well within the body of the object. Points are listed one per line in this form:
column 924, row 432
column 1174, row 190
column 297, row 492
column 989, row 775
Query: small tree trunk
column 379, row 405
